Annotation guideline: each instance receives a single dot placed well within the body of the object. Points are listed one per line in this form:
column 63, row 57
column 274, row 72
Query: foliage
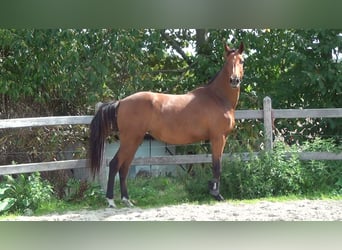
column 156, row 191
column 89, row 194
column 297, row 69
column 24, row 193
column 54, row 68
column 267, row 175
column 29, row 194
column 66, row 71
column 94, row 195
column 273, row 174
column 43, row 144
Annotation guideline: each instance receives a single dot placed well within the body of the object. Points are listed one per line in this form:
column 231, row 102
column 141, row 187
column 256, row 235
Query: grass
column 270, row 177
column 60, row 206
column 288, row 198
column 161, row 191
column 156, row 191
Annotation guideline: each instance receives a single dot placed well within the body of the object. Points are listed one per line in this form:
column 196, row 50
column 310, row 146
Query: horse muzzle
column 235, row 82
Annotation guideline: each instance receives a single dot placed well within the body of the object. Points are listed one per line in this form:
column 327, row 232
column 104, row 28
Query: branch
column 176, row 46
column 171, row 70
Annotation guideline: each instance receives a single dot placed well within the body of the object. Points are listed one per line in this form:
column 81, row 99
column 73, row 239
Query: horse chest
column 229, row 120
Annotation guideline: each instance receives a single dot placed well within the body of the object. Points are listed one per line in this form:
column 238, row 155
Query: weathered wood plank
column 187, row 159
column 44, row 121
column 42, row 166
column 248, row 114
column 308, row 156
column 239, row 114
column 156, row 160
column 172, row 160
column 206, row 158
column 66, row 120
column 268, row 129
column 305, row 113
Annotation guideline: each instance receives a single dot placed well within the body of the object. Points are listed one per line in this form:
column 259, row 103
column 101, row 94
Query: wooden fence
column 267, row 114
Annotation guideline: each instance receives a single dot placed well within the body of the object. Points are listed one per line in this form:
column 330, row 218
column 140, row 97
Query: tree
column 65, row 72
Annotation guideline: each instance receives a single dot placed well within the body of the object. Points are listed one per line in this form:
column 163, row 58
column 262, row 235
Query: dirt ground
column 303, row 210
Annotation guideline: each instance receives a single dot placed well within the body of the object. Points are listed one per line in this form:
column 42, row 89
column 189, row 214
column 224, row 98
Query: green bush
column 94, row 195
column 322, row 176
column 268, row 174
column 156, row 191
column 89, row 194
column 275, row 173
column 24, row 193
column 28, row 194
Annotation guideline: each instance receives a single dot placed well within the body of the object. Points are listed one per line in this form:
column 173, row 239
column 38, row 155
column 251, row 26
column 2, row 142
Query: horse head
column 234, row 64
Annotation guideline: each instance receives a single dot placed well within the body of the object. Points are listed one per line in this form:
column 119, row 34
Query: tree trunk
column 201, row 41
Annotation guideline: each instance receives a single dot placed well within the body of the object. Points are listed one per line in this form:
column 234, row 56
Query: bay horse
column 206, row 113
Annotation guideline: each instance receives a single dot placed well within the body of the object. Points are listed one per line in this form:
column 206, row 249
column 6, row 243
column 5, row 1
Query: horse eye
column 242, row 62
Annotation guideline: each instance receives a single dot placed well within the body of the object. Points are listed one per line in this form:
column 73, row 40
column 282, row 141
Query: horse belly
column 179, row 128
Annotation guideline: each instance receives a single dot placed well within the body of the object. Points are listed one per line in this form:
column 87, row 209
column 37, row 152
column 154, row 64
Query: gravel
column 301, row 210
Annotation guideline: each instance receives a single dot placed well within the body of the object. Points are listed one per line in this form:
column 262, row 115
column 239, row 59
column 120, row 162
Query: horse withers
column 206, row 113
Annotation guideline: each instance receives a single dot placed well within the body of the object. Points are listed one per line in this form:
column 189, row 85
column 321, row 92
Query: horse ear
column 241, row 48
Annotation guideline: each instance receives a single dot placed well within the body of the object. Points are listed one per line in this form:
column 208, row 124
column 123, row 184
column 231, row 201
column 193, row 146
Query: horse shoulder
column 230, row 118
column 225, row 115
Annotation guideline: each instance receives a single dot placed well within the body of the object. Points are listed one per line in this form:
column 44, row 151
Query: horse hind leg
column 120, row 163
column 127, row 154
column 114, row 167
column 123, row 186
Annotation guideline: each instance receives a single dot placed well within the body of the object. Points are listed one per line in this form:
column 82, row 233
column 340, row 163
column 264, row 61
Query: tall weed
column 275, row 173
column 24, row 193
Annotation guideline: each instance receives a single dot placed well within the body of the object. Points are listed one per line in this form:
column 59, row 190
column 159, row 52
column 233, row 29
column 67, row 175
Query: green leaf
column 3, row 190
column 6, row 204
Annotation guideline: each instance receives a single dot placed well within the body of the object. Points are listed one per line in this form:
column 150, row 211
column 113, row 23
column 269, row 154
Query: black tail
column 104, row 121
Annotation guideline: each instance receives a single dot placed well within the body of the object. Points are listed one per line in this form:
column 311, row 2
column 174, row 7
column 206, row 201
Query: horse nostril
column 235, row 80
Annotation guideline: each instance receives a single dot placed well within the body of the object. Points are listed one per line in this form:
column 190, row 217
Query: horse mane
column 212, row 79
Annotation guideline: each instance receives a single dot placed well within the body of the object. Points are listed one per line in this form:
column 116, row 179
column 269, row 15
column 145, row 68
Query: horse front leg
column 129, row 147
column 214, row 184
column 217, row 150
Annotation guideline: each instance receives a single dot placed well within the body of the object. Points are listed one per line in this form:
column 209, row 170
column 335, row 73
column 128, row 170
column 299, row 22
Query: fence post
column 268, row 123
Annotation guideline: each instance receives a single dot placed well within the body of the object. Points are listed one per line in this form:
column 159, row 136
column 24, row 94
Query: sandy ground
column 304, row 210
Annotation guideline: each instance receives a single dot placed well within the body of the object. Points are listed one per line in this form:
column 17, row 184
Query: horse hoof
column 219, row 197
column 111, row 203
column 127, row 202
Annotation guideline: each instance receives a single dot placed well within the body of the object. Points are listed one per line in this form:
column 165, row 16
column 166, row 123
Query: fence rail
column 267, row 114
column 239, row 115
column 45, row 121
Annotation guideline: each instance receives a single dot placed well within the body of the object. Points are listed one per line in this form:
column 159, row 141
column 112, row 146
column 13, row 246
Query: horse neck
column 222, row 89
